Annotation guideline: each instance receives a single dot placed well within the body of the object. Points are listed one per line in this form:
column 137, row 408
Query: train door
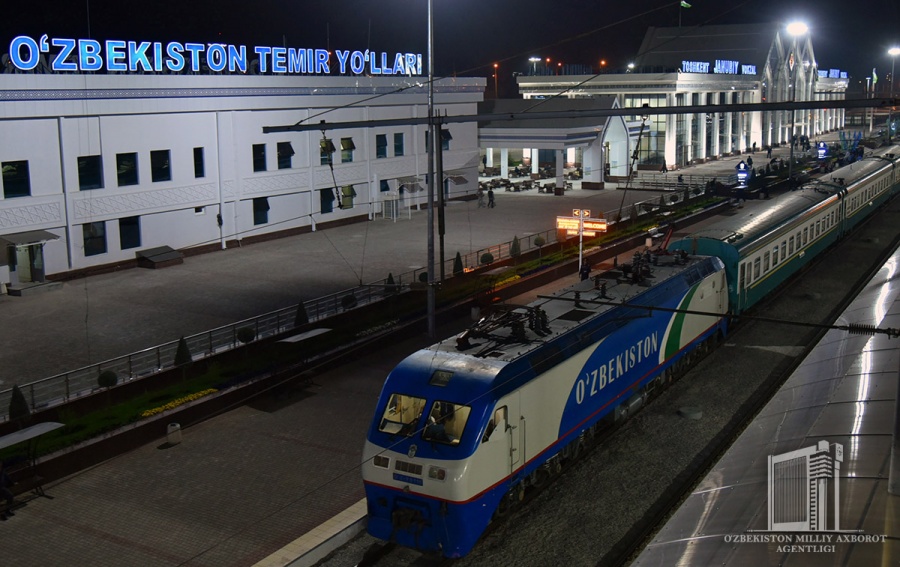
column 515, row 432
column 742, row 288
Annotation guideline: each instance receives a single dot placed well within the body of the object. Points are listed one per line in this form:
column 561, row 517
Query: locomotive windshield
column 446, row 422
column 402, row 414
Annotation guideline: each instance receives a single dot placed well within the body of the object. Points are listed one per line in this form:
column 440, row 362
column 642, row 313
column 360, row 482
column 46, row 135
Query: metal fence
column 83, row 381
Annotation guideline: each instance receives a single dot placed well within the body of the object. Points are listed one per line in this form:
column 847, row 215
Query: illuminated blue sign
column 743, row 171
column 721, row 66
column 131, row 56
column 832, row 74
column 694, row 67
column 822, row 150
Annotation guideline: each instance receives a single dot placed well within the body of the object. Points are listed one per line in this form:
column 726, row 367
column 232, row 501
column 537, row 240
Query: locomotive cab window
column 401, row 416
column 446, row 422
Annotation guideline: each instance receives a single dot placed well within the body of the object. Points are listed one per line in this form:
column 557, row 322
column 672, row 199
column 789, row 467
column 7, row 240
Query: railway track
column 617, row 495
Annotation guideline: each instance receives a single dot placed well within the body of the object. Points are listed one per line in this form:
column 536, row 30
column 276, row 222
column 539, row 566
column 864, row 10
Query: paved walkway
column 244, row 484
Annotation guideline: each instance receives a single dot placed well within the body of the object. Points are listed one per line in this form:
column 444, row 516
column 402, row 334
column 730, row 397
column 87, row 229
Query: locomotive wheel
column 541, row 476
column 556, row 466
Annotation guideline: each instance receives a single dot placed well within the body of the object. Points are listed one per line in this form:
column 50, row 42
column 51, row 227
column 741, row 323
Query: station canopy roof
column 505, row 107
column 29, row 237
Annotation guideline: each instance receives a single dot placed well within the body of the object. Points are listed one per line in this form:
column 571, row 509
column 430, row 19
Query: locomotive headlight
column 437, row 473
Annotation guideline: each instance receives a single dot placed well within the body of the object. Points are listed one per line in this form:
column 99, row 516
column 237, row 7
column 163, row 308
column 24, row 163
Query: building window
column 380, row 146
column 384, row 186
column 94, row 234
column 326, row 150
column 285, row 155
column 199, row 166
column 129, row 232
column 652, row 147
column 445, row 139
column 16, row 180
column 127, row 169
column 326, row 200
column 199, row 210
column 159, row 166
column 260, row 210
column 347, row 195
column 398, row 145
column 90, row 172
column 259, row 157
column 347, row 147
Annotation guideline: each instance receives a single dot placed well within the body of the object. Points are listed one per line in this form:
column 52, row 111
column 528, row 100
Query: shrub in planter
column 183, row 353
column 301, row 318
column 457, row 265
column 348, row 301
column 107, row 379
column 18, row 406
column 246, row 335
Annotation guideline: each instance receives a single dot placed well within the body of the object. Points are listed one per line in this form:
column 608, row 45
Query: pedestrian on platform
column 490, row 198
column 768, row 152
column 753, row 148
column 480, row 195
column 585, row 271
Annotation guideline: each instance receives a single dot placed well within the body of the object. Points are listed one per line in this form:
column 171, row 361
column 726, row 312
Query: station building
column 100, row 166
column 692, row 66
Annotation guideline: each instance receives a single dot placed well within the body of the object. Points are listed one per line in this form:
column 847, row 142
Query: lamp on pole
column 534, row 61
column 893, row 52
column 496, row 72
column 795, row 29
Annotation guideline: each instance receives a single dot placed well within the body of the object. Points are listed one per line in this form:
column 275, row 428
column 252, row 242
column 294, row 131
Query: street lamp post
column 795, row 29
column 496, row 72
column 893, row 52
column 534, row 61
column 430, row 292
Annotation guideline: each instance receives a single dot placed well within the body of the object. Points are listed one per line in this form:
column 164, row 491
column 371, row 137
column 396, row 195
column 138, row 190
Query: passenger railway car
column 461, row 428
column 764, row 244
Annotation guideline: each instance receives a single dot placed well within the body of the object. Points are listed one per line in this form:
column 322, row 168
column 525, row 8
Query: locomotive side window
column 498, row 421
column 791, row 245
column 402, row 414
column 446, row 422
column 756, row 269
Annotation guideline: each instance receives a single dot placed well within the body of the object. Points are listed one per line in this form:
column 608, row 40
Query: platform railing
column 67, row 386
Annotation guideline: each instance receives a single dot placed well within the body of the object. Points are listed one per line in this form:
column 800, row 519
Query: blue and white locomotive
column 463, row 427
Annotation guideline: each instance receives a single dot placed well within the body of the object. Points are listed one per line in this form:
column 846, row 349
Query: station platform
column 241, row 487
column 842, row 399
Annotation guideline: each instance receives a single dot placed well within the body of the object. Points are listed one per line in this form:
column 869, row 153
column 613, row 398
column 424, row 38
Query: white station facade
column 122, row 147
column 709, row 65
column 118, row 147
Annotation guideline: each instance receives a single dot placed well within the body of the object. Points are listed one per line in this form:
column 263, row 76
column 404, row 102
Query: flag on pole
column 874, row 77
column 685, row 4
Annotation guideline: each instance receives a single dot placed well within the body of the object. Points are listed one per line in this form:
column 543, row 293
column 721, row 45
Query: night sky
column 470, row 35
